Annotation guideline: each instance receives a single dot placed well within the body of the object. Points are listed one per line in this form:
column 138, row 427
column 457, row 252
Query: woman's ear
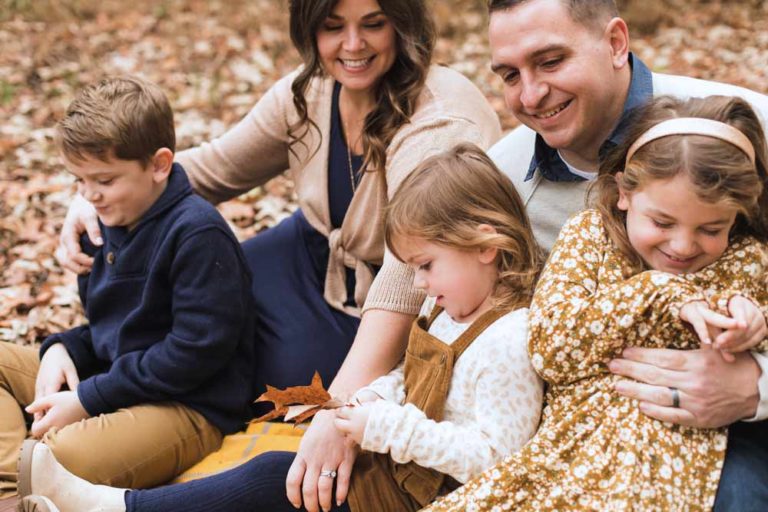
column 488, row 255
column 160, row 164
column 623, row 202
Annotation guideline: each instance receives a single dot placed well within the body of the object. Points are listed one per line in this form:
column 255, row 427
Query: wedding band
column 675, row 397
column 330, row 473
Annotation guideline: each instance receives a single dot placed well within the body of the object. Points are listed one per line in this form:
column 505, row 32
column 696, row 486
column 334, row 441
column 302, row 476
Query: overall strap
column 432, row 315
column 474, row 330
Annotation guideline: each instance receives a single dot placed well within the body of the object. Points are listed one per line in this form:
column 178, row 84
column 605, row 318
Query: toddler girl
column 465, row 396
column 672, row 256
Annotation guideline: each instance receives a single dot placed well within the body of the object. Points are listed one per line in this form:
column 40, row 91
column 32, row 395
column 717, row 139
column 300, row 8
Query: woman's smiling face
column 357, row 44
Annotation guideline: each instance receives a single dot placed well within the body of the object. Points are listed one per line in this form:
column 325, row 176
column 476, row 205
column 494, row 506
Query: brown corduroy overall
column 378, row 483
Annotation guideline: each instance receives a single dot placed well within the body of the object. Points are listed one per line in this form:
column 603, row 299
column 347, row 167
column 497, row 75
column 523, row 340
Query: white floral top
column 595, row 450
column 492, row 409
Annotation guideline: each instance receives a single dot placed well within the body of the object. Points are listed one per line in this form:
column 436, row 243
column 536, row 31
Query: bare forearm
column 378, row 347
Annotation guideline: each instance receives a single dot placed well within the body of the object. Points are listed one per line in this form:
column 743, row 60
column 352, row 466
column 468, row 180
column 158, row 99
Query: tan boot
column 36, row 503
column 41, row 475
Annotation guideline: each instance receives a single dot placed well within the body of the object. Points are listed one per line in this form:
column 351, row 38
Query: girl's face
column 357, row 44
column 672, row 229
column 461, row 281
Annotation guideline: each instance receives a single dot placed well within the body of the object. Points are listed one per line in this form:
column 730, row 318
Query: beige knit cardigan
column 450, row 110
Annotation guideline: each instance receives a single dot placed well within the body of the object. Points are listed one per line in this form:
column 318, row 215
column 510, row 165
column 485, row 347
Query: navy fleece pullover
column 170, row 312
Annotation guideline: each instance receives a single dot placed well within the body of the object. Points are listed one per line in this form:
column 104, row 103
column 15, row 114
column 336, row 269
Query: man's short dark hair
column 590, row 13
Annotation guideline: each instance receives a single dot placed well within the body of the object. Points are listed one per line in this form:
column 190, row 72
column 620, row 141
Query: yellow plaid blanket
column 243, row 446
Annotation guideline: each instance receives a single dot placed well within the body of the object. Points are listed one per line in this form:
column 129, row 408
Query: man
column 571, row 81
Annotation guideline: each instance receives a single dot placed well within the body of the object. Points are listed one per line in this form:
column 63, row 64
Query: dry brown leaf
column 298, row 403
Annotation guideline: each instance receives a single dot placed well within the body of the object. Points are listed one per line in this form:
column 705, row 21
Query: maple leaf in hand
column 298, row 403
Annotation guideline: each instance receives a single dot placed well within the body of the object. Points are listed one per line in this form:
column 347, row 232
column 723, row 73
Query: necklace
column 349, row 162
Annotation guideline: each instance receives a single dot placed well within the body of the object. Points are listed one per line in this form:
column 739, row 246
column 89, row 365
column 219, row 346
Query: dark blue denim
column 256, row 486
column 744, row 481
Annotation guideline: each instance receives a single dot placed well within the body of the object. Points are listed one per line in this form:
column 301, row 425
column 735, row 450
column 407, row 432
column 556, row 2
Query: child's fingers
column 700, row 328
column 715, row 319
column 727, row 356
column 39, row 405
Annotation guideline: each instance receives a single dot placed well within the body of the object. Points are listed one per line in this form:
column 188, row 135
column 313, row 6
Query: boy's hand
column 58, row 410
column 352, row 421
column 56, row 368
column 751, row 328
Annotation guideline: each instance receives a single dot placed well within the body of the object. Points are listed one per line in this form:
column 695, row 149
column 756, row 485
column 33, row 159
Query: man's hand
column 352, row 421
column 713, row 392
column 56, row 368
column 59, row 410
column 81, row 217
column 322, row 448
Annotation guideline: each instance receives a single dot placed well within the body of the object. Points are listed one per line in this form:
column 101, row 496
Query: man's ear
column 623, row 202
column 488, row 255
column 617, row 34
column 160, row 164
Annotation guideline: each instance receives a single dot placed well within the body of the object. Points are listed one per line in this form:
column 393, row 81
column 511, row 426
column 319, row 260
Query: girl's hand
column 81, row 217
column 352, row 421
column 751, row 328
column 706, row 323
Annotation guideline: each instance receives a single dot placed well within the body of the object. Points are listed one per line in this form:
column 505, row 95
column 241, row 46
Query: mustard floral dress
column 594, row 449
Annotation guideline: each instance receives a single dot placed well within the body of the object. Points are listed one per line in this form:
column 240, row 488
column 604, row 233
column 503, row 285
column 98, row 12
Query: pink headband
column 695, row 126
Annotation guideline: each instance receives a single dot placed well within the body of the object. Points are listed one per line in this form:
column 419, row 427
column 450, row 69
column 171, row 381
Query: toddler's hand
column 56, row 410
column 751, row 328
column 352, row 421
column 365, row 395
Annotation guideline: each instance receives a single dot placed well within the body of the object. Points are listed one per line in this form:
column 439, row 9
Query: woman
column 350, row 125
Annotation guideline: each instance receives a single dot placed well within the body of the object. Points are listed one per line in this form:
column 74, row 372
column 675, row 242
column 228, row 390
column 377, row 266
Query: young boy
column 162, row 371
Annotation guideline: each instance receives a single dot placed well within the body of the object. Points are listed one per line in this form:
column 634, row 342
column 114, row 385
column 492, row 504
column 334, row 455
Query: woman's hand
column 352, row 421
column 81, row 217
column 750, row 331
column 323, row 448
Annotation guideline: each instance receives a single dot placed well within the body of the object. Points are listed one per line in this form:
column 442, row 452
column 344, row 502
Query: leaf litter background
column 215, row 59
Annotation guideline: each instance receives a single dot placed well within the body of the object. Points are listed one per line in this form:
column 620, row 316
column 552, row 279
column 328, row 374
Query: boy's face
column 121, row 191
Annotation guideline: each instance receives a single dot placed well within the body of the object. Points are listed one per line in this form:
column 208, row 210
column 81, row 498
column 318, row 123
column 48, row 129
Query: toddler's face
column 121, row 191
column 672, row 229
column 461, row 281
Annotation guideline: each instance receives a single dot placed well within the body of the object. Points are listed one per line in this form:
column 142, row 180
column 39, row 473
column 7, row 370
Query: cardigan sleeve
column 248, row 154
column 392, row 289
column 579, row 320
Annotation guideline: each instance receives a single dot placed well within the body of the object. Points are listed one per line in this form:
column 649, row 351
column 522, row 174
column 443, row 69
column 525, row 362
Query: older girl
column 678, row 239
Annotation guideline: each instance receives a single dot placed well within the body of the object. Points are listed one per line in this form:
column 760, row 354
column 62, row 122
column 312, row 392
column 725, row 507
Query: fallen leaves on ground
column 215, row 59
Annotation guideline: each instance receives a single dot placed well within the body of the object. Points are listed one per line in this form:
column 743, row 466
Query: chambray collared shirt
column 548, row 161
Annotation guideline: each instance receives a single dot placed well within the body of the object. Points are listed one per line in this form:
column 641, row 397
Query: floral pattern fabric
column 595, row 450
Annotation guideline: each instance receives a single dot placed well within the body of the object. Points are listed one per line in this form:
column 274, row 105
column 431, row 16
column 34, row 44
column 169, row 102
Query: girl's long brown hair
column 718, row 170
column 398, row 90
column 448, row 196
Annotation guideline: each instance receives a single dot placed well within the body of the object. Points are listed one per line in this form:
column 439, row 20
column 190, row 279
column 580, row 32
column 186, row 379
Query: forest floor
column 215, row 59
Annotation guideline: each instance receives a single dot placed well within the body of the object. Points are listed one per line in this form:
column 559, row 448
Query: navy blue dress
column 297, row 332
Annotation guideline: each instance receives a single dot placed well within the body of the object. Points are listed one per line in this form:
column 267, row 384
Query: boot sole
column 25, row 471
column 36, row 504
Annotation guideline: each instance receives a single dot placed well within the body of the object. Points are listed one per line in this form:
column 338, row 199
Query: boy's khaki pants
column 137, row 447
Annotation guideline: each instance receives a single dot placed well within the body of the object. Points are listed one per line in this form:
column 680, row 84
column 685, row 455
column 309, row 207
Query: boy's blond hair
column 123, row 117
column 444, row 201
